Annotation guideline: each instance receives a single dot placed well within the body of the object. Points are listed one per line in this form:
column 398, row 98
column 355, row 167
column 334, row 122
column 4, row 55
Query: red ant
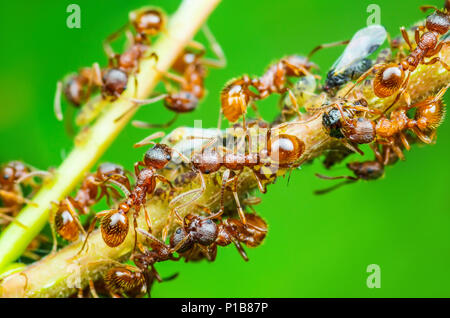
column 191, row 66
column 12, row 175
column 202, row 233
column 114, row 223
column 77, row 88
column 282, row 151
column 132, row 281
column 237, row 95
column 94, row 187
column 390, row 78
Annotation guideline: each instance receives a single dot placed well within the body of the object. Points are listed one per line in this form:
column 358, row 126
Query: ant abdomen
column 367, row 170
column 438, row 22
column 114, row 227
column 286, row 149
column 181, row 102
column 122, row 280
column 66, row 226
column 148, row 22
column 388, row 80
column 430, row 117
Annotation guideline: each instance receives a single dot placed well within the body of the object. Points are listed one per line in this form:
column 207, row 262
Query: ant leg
column 436, row 98
column 406, row 38
column 165, row 180
column 71, row 209
column 324, row 191
column 404, row 141
column 262, row 188
column 148, row 140
column 139, row 103
column 221, row 61
column 376, row 152
column 362, row 78
column 197, row 192
column 107, row 48
column 146, row 125
column 13, row 220
column 240, row 249
column 39, row 173
column 236, row 198
column 424, row 138
column 294, row 103
column 435, row 60
column 57, row 102
column 91, row 229
column 16, row 197
column 427, row 7
column 92, row 289
column 325, row 46
column 321, row 176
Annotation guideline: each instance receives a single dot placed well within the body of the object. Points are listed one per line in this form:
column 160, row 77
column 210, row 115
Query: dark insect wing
column 363, row 43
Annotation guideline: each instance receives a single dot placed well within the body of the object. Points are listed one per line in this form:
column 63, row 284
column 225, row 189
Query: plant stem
column 59, row 275
column 91, row 143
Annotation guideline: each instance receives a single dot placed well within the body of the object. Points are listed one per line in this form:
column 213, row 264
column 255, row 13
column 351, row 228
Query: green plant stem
column 93, row 142
column 59, row 274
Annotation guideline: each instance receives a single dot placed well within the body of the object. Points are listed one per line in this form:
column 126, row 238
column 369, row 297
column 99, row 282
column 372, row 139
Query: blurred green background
column 316, row 246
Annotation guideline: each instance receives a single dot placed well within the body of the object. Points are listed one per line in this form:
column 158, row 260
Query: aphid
column 77, row 88
column 391, row 78
column 353, row 61
column 114, row 223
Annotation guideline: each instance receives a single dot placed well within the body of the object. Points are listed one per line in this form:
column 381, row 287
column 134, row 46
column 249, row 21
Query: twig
column 93, row 142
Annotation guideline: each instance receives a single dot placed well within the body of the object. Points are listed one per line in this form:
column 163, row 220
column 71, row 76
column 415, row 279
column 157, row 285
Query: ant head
column 179, row 235
column 286, row 149
column 158, row 156
column 7, row 175
column 114, row 227
column 438, row 22
column 149, row 21
column 114, row 82
column 181, row 102
column 367, row 170
column 204, row 231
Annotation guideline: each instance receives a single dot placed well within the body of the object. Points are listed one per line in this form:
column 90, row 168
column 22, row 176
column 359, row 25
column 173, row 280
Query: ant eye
column 178, row 231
